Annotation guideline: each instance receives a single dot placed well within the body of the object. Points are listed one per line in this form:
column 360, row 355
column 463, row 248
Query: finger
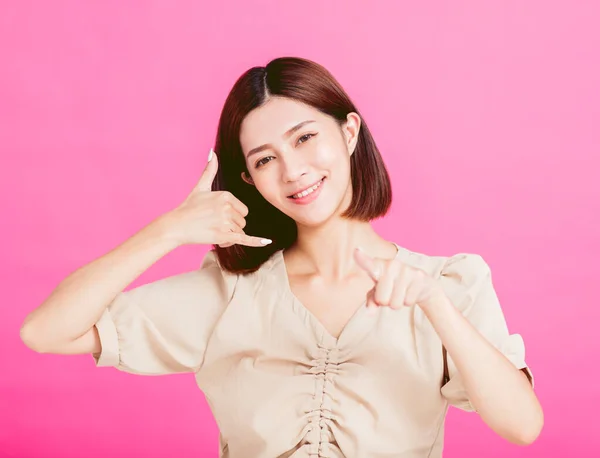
column 412, row 293
column 232, row 228
column 415, row 289
column 385, row 285
column 209, row 173
column 400, row 289
column 237, row 219
column 374, row 267
column 238, row 205
column 248, row 240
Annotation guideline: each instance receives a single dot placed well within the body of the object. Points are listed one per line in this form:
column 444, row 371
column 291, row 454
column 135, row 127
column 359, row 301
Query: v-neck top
column 280, row 385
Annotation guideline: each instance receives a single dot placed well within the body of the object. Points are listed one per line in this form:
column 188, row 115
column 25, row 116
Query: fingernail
column 210, row 155
column 265, row 241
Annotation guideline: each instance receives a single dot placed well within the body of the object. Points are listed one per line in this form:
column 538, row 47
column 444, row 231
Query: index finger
column 374, row 267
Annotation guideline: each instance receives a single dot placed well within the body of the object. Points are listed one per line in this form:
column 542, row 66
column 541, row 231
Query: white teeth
column 306, row 192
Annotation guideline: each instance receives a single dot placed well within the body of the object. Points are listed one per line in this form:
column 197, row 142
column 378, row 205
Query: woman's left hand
column 398, row 284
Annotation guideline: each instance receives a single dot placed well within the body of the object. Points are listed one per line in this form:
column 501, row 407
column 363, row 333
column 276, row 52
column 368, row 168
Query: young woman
column 309, row 334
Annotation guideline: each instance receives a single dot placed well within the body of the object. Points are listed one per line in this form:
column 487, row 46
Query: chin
column 312, row 221
column 312, row 216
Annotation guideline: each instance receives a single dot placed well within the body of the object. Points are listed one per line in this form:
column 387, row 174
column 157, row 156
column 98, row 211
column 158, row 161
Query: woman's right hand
column 211, row 217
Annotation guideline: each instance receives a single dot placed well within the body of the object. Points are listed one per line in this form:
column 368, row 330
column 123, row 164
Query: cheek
column 266, row 184
column 325, row 156
column 332, row 156
column 338, row 167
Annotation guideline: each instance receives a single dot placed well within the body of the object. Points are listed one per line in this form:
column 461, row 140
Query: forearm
column 79, row 300
column 501, row 394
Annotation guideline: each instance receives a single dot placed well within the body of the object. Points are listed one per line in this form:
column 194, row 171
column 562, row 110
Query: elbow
column 529, row 434
column 28, row 338
column 32, row 337
column 526, row 438
column 520, row 427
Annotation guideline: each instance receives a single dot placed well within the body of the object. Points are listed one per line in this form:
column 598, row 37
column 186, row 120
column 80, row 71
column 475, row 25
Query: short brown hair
column 309, row 83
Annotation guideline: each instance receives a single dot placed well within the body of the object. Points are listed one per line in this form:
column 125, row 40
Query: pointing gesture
column 398, row 284
column 207, row 217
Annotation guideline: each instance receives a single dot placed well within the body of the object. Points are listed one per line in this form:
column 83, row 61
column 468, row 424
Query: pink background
column 486, row 113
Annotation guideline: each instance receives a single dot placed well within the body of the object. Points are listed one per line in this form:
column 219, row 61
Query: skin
column 319, row 149
column 324, row 260
column 336, row 254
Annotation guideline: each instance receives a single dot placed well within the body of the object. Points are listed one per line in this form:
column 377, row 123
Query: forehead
column 268, row 123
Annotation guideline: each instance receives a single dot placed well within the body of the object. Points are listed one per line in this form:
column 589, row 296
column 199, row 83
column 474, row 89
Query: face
column 299, row 159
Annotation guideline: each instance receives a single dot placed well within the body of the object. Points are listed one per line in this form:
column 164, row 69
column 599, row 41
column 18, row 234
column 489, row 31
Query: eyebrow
column 258, row 149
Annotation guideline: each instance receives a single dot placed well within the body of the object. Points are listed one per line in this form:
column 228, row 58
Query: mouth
column 308, row 194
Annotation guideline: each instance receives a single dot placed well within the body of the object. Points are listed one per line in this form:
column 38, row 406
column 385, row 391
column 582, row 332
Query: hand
column 397, row 284
column 211, row 217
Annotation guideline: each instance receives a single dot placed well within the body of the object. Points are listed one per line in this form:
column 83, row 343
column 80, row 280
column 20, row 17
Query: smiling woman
column 286, row 129
column 309, row 334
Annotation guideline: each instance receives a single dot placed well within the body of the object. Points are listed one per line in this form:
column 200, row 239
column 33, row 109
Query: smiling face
column 299, row 159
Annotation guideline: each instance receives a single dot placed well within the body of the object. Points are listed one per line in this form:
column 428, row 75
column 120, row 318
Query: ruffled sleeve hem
column 467, row 281
column 107, row 331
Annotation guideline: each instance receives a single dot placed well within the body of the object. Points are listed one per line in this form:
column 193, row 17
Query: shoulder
column 467, row 266
column 268, row 272
column 462, row 275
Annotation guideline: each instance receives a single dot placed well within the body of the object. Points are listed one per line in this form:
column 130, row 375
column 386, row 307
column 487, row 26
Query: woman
column 309, row 334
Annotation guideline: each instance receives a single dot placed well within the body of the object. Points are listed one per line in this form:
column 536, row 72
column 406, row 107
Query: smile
column 307, row 191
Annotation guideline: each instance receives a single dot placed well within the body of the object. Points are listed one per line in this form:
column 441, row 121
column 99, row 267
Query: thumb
column 210, row 171
column 371, row 265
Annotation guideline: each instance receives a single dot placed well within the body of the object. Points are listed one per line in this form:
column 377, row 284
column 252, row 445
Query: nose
column 294, row 167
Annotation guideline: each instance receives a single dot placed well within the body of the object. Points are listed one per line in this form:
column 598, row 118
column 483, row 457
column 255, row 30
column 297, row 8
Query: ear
column 247, row 178
column 351, row 129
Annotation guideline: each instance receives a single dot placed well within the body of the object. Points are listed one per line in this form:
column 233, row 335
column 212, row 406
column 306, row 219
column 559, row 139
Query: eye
column 306, row 136
column 266, row 159
column 263, row 161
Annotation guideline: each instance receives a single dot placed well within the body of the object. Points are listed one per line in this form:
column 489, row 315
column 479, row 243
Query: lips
column 310, row 188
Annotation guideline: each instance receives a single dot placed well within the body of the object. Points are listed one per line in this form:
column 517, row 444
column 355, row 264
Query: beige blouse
column 279, row 385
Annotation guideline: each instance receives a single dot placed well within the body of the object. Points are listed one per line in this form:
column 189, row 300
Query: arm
column 64, row 322
column 499, row 392
column 486, row 363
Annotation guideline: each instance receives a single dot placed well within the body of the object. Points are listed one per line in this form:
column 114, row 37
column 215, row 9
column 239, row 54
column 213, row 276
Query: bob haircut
column 307, row 82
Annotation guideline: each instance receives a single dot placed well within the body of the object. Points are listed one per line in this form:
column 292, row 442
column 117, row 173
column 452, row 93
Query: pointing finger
column 374, row 267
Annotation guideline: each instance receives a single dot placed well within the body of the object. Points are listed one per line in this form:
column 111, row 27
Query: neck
column 328, row 250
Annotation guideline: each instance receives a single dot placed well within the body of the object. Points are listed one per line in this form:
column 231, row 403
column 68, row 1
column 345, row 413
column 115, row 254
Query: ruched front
column 321, row 415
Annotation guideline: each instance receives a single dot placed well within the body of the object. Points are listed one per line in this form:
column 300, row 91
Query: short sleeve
column 467, row 281
column 163, row 327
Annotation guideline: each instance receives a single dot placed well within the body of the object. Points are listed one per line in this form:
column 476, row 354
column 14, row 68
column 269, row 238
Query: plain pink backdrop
column 486, row 113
